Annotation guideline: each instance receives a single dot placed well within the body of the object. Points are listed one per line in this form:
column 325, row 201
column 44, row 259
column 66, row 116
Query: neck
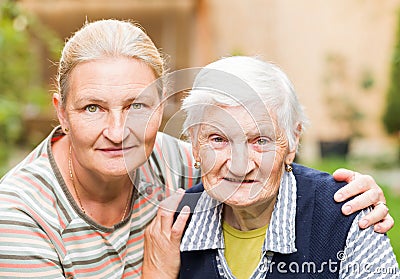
column 104, row 198
column 99, row 188
column 249, row 218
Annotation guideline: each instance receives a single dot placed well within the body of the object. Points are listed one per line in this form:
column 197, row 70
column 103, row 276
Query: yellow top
column 243, row 249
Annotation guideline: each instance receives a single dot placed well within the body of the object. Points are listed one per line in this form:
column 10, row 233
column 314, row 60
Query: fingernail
column 363, row 223
column 185, row 209
column 347, row 209
column 378, row 228
column 338, row 197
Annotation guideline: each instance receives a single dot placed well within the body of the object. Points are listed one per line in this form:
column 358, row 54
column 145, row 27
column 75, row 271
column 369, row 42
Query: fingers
column 344, row 175
column 385, row 225
column 167, row 209
column 374, row 217
column 171, row 203
column 179, row 226
column 367, row 193
column 358, row 184
column 370, row 197
column 162, row 240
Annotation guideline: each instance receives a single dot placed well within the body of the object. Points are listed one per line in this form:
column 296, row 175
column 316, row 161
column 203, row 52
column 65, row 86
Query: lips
column 111, row 149
column 116, row 151
column 239, row 180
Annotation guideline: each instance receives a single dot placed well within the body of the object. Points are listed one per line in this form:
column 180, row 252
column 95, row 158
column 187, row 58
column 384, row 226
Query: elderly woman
column 78, row 205
column 257, row 214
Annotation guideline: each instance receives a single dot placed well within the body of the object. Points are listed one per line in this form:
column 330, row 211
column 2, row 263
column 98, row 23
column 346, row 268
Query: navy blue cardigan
column 321, row 232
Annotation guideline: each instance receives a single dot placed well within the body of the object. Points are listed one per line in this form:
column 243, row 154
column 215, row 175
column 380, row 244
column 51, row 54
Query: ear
column 292, row 152
column 61, row 114
column 195, row 146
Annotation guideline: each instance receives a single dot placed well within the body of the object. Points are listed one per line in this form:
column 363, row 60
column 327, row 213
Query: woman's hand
column 370, row 194
column 162, row 240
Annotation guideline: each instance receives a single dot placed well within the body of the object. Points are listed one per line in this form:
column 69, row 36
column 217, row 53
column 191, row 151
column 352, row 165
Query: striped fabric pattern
column 364, row 248
column 370, row 258
column 44, row 233
column 205, row 230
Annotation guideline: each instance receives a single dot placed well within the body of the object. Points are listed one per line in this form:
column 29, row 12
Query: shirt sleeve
column 26, row 250
column 367, row 254
column 172, row 162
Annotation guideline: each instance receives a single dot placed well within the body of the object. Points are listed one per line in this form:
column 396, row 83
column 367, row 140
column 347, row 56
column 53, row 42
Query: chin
column 115, row 170
column 116, row 173
column 233, row 199
column 134, row 161
column 240, row 203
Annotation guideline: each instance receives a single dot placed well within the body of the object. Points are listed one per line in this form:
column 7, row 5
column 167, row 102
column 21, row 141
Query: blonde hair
column 103, row 39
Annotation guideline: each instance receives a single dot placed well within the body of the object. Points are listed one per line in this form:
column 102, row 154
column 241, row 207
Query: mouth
column 239, row 180
column 116, row 149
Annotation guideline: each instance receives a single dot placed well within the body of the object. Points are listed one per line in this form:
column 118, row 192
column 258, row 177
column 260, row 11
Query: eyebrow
column 90, row 100
column 102, row 101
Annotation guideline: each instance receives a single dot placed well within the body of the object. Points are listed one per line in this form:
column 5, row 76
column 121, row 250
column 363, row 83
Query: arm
column 25, row 248
column 162, row 240
column 367, row 254
column 370, row 194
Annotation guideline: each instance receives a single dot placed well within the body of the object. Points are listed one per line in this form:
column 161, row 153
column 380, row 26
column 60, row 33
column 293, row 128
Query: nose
column 115, row 130
column 240, row 163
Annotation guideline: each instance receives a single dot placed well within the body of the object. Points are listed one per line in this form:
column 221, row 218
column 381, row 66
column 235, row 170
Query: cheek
column 85, row 128
column 211, row 160
column 150, row 131
column 271, row 168
column 82, row 130
column 207, row 158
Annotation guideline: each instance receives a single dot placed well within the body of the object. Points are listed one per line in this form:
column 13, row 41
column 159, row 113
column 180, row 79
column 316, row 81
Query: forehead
column 111, row 76
column 243, row 119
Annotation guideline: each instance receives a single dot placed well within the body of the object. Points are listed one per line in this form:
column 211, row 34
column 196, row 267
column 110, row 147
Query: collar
column 205, row 228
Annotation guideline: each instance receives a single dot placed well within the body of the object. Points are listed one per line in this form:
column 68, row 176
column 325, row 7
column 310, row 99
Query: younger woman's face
column 112, row 112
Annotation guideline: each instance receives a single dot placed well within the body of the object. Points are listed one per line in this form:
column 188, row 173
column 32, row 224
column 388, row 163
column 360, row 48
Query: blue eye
column 137, row 106
column 91, row 108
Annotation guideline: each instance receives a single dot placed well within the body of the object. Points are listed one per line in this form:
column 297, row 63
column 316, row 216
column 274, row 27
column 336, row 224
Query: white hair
column 241, row 80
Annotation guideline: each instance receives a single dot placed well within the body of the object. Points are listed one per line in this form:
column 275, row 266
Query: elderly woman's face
column 110, row 114
column 242, row 154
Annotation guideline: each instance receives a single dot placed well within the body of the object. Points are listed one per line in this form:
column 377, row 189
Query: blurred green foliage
column 22, row 90
column 391, row 118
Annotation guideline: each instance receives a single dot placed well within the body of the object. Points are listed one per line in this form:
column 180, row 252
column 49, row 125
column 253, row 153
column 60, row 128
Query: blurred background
column 343, row 57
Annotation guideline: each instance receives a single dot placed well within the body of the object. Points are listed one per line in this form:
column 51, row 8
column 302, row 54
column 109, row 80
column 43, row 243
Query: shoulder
column 198, row 188
column 191, row 197
column 315, row 191
column 39, row 155
column 172, row 148
column 306, row 173
column 173, row 160
column 163, row 138
column 34, row 165
column 30, row 184
column 315, row 179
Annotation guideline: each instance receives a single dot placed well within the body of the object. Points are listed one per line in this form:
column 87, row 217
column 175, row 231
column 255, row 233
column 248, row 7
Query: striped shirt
column 45, row 234
column 366, row 255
